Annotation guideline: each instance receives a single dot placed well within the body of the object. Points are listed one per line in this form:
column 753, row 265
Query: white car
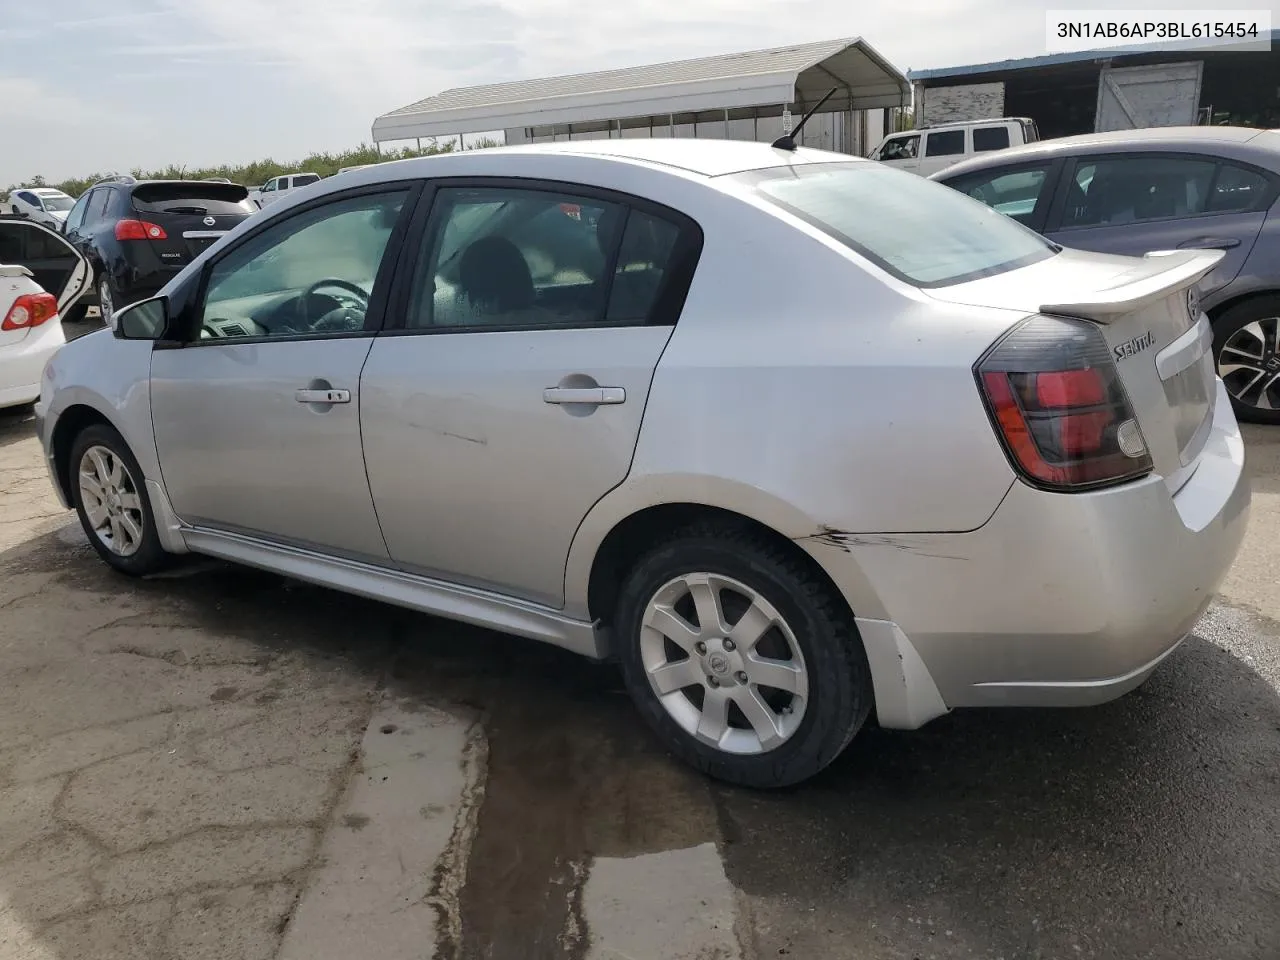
column 277, row 188
column 41, row 204
column 41, row 276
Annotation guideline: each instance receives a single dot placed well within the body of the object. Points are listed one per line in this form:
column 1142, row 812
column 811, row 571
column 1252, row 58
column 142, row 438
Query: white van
column 930, row 149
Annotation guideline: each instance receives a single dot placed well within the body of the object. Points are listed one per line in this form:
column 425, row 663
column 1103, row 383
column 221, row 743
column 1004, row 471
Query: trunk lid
column 1148, row 312
column 193, row 215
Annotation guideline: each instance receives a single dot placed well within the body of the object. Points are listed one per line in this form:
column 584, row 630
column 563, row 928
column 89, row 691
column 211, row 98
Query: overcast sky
column 90, row 87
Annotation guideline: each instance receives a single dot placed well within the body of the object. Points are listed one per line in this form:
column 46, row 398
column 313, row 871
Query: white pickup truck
column 279, row 187
column 929, row 149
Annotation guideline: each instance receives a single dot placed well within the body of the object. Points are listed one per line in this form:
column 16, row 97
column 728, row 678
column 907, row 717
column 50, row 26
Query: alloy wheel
column 105, row 306
column 724, row 663
column 1249, row 364
column 111, row 501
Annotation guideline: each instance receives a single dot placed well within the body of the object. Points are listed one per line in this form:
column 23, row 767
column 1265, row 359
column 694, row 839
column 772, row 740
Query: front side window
column 312, row 274
column 922, row 232
column 901, row 148
column 269, row 186
column 944, row 143
column 1135, row 189
column 513, row 258
column 990, row 138
column 1013, row 193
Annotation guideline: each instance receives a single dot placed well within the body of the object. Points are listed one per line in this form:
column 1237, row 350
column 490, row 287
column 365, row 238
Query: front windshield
column 57, row 203
column 922, row 232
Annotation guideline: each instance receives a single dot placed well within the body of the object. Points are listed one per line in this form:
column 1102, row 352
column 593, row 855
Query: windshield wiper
column 195, row 210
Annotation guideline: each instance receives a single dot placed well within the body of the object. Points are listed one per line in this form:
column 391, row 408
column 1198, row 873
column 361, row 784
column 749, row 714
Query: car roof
column 47, row 192
column 710, row 158
column 1237, row 141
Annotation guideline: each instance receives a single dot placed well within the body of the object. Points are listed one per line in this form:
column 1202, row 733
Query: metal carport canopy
column 762, row 81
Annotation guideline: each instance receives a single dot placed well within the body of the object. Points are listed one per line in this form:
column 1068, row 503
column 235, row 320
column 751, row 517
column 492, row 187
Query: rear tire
column 106, row 300
column 1246, row 344
column 110, row 497
column 795, row 697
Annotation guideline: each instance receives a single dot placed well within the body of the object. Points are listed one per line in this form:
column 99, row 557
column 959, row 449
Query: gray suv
column 1135, row 191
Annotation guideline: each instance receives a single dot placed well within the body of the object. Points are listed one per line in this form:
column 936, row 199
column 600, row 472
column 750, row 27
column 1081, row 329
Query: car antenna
column 788, row 140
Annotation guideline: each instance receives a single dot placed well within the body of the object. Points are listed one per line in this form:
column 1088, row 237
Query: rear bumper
column 22, row 364
column 1060, row 599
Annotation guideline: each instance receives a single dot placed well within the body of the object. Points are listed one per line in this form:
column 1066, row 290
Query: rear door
column 1134, row 203
column 509, row 399
column 942, row 148
column 54, row 264
column 191, row 216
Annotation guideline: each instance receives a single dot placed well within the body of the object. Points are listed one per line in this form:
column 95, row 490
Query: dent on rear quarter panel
column 804, row 391
column 113, row 377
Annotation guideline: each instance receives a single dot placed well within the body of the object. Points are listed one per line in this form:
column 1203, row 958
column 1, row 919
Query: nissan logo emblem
column 209, row 221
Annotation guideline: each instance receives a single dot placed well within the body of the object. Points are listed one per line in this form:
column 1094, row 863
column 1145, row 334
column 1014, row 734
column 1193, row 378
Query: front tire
column 741, row 658
column 1246, row 348
column 111, row 500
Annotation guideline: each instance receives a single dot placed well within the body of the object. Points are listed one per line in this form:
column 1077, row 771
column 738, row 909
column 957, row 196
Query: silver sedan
column 791, row 436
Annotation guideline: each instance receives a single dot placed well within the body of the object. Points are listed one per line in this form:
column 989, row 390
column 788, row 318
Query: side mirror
column 144, row 320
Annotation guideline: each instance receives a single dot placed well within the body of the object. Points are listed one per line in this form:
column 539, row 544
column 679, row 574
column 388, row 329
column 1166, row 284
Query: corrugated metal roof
column 1083, row 56
column 852, row 62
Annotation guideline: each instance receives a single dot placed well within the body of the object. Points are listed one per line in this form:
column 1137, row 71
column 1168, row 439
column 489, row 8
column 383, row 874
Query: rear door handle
column 589, row 395
column 323, row 396
column 1210, row 243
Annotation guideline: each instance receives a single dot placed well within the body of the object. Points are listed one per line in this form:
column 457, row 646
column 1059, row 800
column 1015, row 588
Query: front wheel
column 111, row 500
column 740, row 657
column 1246, row 345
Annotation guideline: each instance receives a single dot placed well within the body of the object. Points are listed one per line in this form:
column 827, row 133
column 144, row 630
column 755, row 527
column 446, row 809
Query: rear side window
column 302, row 179
column 1137, row 188
column 945, row 143
column 29, row 198
column 922, row 232
column 1236, row 190
column 198, row 199
column 990, row 138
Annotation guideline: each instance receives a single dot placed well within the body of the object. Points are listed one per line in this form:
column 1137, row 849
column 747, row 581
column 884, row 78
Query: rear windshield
column 217, row 199
column 922, row 232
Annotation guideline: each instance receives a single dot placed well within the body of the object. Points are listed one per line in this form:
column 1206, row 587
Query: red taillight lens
column 1058, row 404
column 30, row 310
column 139, row 230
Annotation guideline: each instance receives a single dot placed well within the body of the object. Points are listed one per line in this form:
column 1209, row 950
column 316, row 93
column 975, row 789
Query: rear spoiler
column 15, row 270
column 1157, row 275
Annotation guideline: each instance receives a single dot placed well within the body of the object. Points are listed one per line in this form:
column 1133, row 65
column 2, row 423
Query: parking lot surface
column 222, row 763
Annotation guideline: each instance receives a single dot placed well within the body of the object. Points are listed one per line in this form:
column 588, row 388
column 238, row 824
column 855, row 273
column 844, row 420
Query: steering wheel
column 341, row 319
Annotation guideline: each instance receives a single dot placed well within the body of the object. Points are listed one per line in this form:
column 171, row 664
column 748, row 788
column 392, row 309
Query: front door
column 257, row 416
column 1137, row 203
column 511, row 399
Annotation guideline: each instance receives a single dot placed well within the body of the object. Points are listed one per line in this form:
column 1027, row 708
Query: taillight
column 30, row 310
column 139, row 230
column 1057, row 402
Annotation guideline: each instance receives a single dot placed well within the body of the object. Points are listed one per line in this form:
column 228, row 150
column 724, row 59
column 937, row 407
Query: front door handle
column 1210, row 243
column 323, row 396
column 586, row 395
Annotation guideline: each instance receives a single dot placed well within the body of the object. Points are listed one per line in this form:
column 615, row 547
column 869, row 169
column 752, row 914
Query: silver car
column 792, row 436
column 1164, row 188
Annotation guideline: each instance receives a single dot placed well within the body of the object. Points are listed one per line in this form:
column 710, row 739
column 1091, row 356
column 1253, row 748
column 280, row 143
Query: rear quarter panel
column 810, row 391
